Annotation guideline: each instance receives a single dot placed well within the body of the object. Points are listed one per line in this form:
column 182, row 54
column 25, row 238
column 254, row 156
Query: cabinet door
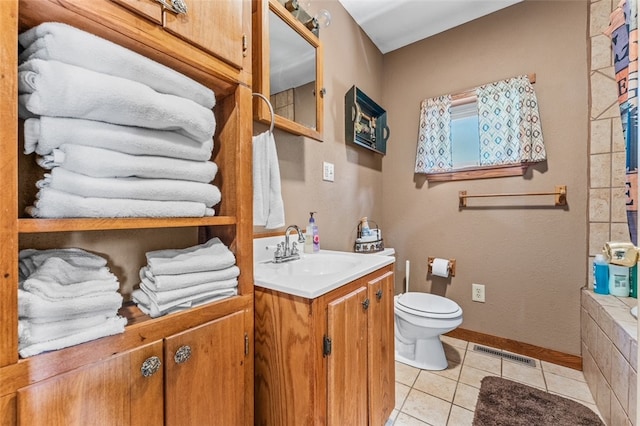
column 214, row 26
column 150, row 9
column 381, row 349
column 110, row 392
column 204, row 375
column 347, row 363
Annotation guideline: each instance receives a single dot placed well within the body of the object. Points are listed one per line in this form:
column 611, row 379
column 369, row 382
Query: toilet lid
column 428, row 303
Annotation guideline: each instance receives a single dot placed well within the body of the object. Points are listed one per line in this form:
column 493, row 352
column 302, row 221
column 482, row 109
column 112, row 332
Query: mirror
column 287, row 70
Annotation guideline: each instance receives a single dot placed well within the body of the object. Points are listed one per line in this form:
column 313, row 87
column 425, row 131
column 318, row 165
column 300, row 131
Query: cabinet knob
column 176, row 6
column 182, row 354
column 150, row 366
column 379, row 294
column 365, row 304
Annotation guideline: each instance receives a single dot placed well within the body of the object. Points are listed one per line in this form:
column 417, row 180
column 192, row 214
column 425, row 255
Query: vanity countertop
column 313, row 274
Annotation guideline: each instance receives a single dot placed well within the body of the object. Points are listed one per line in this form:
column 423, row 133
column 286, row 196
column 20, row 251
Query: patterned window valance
column 508, row 127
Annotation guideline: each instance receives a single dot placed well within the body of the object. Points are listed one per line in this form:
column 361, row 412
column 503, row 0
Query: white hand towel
column 104, row 163
column 61, row 90
column 210, row 256
column 62, row 179
column 51, row 203
column 174, row 282
column 42, row 135
column 111, row 326
column 61, row 42
column 30, row 332
column 154, row 311
column 31, row 259
column 162, row 298
column 57, row 279
column 268, row 207
column 33, row 306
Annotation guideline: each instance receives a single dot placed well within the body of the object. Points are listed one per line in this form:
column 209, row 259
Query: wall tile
column 599, row 205
column 633, row 396
column 620, row 378
column 618, row 166
column 618, row 142
column 599, row 17
column 620, row 232
column 599, row 234
column 600, row 170
column 603, row 397
column 603, row 94
column 619, row 204
column 603, row 354
column 600, row 136
column 621, row 340
column 600, row 52
column 618, row 416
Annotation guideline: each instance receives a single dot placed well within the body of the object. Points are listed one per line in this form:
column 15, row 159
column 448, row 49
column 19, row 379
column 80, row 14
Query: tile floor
column 448, row 397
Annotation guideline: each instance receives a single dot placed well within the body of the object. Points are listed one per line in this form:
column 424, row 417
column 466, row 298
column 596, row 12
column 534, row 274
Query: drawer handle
column 379, row 294
column 182, row 354
column 176, row 6
column 150, row 366
column 365, row 304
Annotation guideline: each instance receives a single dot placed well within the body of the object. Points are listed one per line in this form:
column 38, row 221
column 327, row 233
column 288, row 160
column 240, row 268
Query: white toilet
column 420, row 319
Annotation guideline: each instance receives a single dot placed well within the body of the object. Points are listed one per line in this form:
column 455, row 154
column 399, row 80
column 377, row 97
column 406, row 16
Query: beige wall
column 530, row 255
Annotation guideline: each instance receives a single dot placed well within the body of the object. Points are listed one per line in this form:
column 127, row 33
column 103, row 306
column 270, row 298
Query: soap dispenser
column 312, row 242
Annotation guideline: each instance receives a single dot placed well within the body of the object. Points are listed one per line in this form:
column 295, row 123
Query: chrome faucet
column 285, row 251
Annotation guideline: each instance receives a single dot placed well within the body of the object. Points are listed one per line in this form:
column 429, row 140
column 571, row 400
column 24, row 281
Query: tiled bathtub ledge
column 610, row 354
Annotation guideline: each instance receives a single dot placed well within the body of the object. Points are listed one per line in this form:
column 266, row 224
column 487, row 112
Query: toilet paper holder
column 451, row 267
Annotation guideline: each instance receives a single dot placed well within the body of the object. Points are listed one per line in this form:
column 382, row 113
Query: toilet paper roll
column 440, row 267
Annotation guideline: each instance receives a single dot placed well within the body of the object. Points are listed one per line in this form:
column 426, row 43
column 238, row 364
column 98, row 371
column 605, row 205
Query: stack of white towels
column 65, row 297
column 175, row 280
column 122, row 135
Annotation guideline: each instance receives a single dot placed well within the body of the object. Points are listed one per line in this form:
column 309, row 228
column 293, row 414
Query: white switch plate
column 327, row 171
column 477, row 292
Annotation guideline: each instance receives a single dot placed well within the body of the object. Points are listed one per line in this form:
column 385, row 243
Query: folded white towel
column 33, row 306
column 61, row 42
column 51, row 203
column 62, row 179
column 57, row 279
column 104, row 163
column 30, row 332
column 154, row 311
column 210, row 256
column 174, row 282
column 111, row 326
column 163, row 298
column 31, row 259
column 42, row 135
column 268, row 207
column 62, row 90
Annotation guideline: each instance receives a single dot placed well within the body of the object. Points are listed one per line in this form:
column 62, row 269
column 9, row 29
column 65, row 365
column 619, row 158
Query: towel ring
column 260, row 95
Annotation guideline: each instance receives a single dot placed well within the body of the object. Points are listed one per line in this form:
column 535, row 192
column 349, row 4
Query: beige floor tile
column 401, row 394
column 458, row 343
column 436, row 385
column 406, row 374
column 460, row 417
column 452, row 371
column 483, row 362
column 454, row 354
column 466, row 396
column 560, row 370
column 473, row 376
column 568, row 387
column 523, row 374
column 406, row 420
column 427, row 408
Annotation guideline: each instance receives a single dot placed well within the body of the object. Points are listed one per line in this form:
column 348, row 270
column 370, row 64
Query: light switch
column 327, row 171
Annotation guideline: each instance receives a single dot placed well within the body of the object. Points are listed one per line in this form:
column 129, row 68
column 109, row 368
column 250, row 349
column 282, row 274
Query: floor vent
column 511, row 357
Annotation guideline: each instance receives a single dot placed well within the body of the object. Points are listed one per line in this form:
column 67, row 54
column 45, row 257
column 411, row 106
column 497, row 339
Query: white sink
column 314, row 274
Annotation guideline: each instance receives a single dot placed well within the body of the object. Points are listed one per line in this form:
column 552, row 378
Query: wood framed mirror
column 287, row 69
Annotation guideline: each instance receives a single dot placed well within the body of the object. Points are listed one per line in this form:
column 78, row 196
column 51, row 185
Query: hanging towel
column 30, row 332
column 31, row 259
column 268, row 208
column 61, row 90
column 163, row 298
column 51, row 203
column 33, row 306
column 111, row 326
column 174, row 282
column 62, row 179
column 210, row 256
column 153, row 310
column 61, row 42
column 104, row 163
column 42, row 135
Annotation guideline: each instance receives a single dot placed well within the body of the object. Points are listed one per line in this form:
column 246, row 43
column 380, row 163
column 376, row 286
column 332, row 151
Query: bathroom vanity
column 326, row 359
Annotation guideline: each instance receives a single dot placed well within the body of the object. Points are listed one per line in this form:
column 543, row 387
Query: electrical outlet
column 477, row 292
column 327, row 171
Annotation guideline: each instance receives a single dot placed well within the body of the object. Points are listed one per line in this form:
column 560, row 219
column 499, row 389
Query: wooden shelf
column 32, row 226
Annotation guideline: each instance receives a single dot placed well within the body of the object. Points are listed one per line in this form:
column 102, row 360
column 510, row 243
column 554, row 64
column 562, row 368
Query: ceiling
column 392, row 24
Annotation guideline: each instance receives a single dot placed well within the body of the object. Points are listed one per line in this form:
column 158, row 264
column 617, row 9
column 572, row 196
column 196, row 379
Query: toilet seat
column 428, row 305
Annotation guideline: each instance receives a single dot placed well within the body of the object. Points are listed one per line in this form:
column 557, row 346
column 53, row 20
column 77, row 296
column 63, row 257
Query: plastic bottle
column 364, row 227
column 600, row 275
column 619, row 280
column 314, row 233
column 308, row 237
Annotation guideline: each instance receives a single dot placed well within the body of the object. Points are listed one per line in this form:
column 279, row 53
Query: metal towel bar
column 560, row 195
column 273, row 118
